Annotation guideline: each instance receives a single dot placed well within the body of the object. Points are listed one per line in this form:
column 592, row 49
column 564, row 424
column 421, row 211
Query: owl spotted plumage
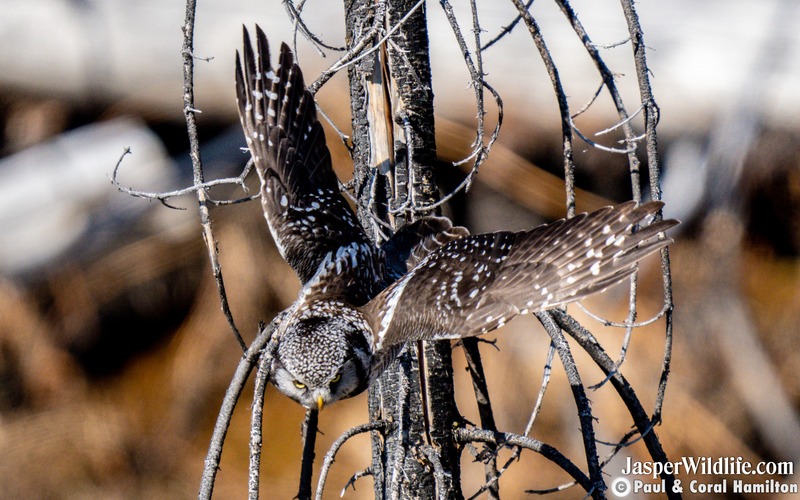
column 360, row 303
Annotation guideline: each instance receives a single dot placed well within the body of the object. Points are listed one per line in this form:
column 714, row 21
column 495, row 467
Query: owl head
column 321, row 359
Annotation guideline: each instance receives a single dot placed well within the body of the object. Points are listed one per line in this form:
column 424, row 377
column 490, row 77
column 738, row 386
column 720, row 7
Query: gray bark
column 404, row 464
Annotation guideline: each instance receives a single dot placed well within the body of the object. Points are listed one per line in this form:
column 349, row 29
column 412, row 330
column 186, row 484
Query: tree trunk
column 394, row 155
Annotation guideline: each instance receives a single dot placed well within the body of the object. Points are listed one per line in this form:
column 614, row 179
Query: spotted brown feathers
column 360, row 303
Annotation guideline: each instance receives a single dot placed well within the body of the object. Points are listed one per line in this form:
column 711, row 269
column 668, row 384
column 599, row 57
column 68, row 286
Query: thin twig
column 235, row 201
column 651, row 119
column 307, row 464
column 616, row 448
column 563, row 105
column 481, row 152
column 355, row 477
column 479, row 386
column 612, row 45
column 298, row 22
column 589, row 104
column 478, row 84
column 166, row 195
column 581, row 401
column 625, row 324
column 506, row 29
column 594, row 144
column 468, row 435
column 439, row 480
column 610, row 84
column 205, row 59
column 529, row 426
column 342, row 136
column 256, row 435
column 536, row 409
column 264, row 338
column 197, row 165
column 626, row 340
column 330, row 456
column 640, row 418
column 626, row 440
column 621, row 123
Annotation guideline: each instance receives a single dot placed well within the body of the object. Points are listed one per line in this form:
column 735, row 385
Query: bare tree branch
column 330, row 456
column 256, row 441
column 264, row 338
column 355, row 477
column 478, row 84
column 643, row 423
column 561, row 96
column 654, row 164
column 300, row 25
column 610, row 84
column 167, row 195
column 197, row 165
column 307, row 463
column 466, row 435
column 581, row 402
column 506, row 29
column 475, row 367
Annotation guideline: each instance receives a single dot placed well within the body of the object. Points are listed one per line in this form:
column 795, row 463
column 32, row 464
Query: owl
column 359, row 302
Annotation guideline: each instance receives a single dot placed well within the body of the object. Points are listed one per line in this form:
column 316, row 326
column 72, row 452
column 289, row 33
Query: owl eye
column 336, row 378
column 299, row 384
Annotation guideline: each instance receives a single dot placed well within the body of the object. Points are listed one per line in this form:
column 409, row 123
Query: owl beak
column 320, row 403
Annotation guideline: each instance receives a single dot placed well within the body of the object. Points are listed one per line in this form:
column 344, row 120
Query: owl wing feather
column 413, row 241
column 310, row 221
column 475, row 284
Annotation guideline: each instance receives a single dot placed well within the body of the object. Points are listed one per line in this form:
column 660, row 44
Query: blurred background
column 114, row 354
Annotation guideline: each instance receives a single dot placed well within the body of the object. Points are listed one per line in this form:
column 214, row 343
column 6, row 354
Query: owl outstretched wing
column 310, row 221
column 475, row 284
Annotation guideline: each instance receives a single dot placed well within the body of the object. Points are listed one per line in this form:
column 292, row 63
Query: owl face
column 321, row 360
